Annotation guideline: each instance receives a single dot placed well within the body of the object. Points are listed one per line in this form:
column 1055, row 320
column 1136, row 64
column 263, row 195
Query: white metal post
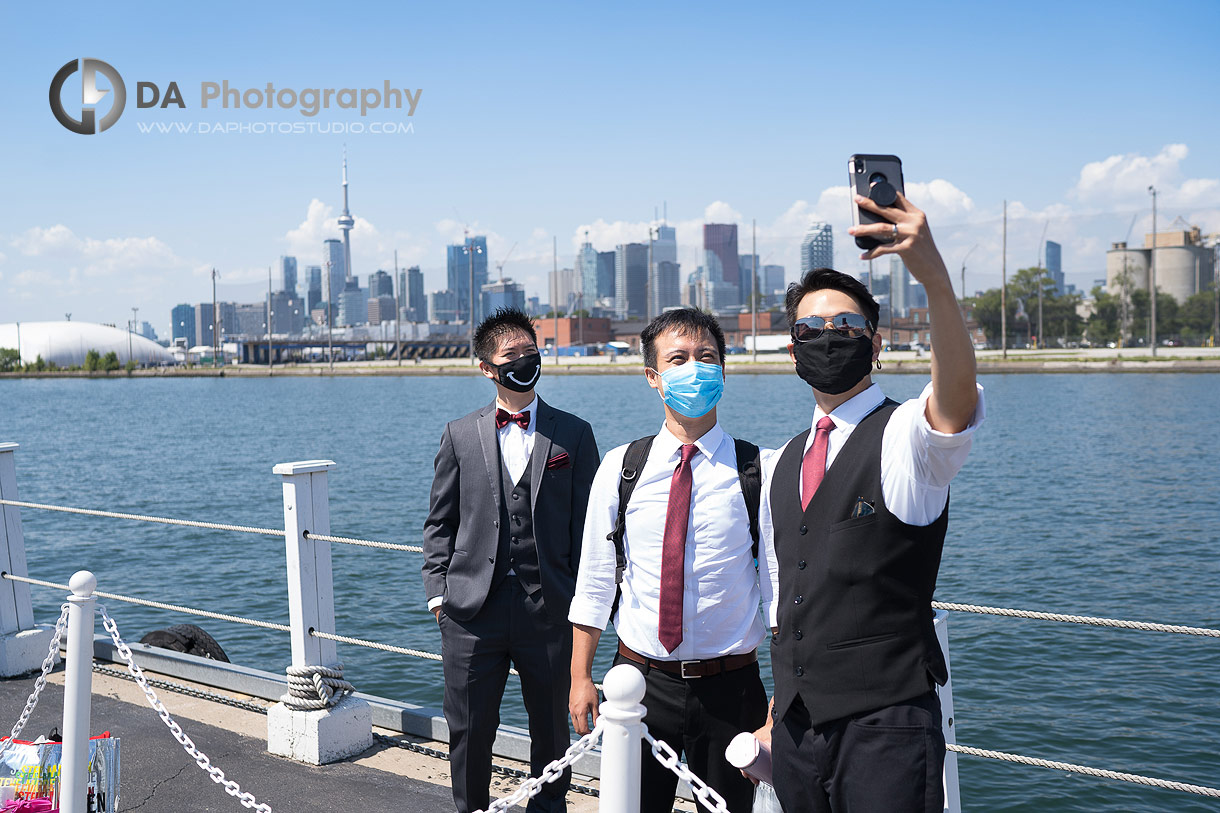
column 622, row 716
column 23, row 644
column 311, row 600
column 78, row 685
column 16, row 611
column 953, row 802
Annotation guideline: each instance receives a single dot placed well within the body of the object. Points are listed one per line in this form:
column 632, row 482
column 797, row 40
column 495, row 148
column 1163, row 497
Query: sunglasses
column 851, row 325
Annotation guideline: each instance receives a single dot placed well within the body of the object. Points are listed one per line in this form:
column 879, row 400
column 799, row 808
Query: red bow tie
column 522, row 419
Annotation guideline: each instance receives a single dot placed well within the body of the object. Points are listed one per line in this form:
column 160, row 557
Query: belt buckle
column 682, row 667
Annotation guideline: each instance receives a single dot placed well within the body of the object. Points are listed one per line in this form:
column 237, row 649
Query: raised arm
column 954, row 386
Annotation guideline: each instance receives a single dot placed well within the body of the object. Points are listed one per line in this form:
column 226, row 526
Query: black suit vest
column 516, row 549
column 855, row 621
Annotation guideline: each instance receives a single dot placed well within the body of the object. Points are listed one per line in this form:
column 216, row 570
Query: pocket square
column 559, row 461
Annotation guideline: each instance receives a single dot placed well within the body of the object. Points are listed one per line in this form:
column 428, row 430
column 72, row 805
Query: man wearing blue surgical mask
column 676, row 515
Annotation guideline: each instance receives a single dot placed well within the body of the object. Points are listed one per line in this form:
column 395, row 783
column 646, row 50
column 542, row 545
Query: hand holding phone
column 878, row 178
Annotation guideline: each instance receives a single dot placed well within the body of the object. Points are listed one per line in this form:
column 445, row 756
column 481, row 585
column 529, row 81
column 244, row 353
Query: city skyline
column 96, row 225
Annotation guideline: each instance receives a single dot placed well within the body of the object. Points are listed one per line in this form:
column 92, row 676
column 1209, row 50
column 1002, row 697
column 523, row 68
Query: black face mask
column 833, row 363
column 520, row 374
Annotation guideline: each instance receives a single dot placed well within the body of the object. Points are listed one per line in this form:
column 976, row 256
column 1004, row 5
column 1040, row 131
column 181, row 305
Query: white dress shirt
column 917, row 465
column 720, row 601
column 516, row 444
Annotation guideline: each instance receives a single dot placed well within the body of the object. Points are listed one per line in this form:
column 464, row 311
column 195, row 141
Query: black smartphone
column 875, row 177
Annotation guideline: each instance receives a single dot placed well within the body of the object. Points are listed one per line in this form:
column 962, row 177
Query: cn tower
column 346, row 221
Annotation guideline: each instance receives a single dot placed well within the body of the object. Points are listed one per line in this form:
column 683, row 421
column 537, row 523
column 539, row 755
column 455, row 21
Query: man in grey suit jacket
column 501, row 551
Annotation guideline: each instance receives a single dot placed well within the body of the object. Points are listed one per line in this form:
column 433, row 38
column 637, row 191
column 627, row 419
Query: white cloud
column 1124, row 180
column 99, row 258
column 721, row 212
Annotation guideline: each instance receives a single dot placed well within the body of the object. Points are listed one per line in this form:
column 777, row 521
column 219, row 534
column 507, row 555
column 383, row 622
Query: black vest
column 516, row 550
column 855, row 615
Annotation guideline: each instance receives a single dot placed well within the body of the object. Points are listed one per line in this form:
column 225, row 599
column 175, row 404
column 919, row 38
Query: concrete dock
column 157, row 776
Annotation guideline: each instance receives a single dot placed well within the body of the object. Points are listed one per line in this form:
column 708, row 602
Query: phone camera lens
column 876, row 178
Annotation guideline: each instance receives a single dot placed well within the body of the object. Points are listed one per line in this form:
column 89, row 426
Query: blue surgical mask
column 692, row 389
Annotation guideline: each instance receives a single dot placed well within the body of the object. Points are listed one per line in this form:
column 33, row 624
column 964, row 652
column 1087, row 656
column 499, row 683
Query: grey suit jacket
column 462, row 531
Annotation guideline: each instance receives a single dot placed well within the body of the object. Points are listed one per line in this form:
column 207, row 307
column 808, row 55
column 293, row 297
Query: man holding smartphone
column 853, row 518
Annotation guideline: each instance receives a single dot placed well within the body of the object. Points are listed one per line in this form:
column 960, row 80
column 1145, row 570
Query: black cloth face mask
column 520, row 374
column 833, row 363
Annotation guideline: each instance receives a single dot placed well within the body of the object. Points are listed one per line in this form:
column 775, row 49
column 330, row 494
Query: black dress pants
column 890, row 760
column 698, row 717
column 511, row 626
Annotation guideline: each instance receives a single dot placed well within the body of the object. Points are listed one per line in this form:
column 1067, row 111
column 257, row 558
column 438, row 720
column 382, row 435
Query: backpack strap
column 633, row 463
column 749, row 473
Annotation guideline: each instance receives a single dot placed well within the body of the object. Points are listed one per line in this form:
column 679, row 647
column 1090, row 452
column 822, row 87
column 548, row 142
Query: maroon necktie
column 503, row 418
column 673, row 553
column 813, row 467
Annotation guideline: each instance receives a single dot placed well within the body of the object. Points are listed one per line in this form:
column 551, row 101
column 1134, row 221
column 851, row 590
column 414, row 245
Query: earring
column 878, row 364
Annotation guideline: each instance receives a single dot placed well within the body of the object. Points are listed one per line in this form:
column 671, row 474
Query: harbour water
column 1088, row 494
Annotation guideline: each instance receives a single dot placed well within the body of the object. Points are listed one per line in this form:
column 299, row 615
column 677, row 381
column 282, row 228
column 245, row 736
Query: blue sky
column 555, row 119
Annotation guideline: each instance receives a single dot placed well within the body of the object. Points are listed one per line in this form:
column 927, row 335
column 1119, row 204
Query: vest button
column 515, row 540
column 798, row 635
column 496, row 523
column 800, row 671
column 516, row 496
column 512, row 560
column 798, row 600
column 800, row 565
column 804, row 530
column 775, row 637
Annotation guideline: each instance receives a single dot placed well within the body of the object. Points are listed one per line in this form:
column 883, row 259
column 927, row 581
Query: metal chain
column 533, row 786
column 159, row 605
column 201, row 759
column 365, row 543
column 704, row 793
column 47, row 664
column 1077, row 619
column 1149, row 781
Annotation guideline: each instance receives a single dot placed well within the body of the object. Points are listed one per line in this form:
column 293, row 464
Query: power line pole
column 268, row 320
column 1152, row 277
column 397, row 310
column 754, row 290
column 215, row 322
column 330, row 303
column 1041, row 276
column 1004, row 288
column 555, row 295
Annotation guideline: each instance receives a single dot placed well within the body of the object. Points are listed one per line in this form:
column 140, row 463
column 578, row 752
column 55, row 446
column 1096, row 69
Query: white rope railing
column 190, row 523
column 365, row 543
column 1069, row 767
column 1077, row 619
column 159, row 605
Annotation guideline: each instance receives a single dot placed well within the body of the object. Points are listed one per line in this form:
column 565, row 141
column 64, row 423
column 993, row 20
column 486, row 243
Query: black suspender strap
column 749, row 474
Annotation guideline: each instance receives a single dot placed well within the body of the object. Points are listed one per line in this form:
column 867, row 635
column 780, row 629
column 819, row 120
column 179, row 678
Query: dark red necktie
column 673, row 553
column 813, row 467
column 522, row 419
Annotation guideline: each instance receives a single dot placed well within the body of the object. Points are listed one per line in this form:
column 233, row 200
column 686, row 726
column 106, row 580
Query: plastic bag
column 32, row 770
column 765, row 800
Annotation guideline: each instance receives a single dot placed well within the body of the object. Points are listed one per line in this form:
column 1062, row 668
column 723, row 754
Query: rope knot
column 312, row 687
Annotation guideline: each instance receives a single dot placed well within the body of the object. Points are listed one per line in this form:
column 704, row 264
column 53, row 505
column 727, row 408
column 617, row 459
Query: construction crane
column 500, row 265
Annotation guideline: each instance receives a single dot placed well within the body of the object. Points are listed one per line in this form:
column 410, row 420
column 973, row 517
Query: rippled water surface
column 1088, row 494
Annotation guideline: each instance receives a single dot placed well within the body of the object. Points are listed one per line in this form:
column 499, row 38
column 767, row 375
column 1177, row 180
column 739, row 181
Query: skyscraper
column 381, row 284
column 669, row 290
column 458, row 265
column 817, row 249
column 746, row 263
column 417, row 303
column 586, row 267
column 287, row 313
column 1054, row 265
column 664, row 250
column 205, row 318
column 288, row 274
column 630, row 281
column 772, row 277
column 334, row 279
column 182, row 320
column 442, row 306
column 720, row 242
column 605, row 276
column 563, row 286
column 353, row 304
column 313, row 295
column 346, row 222
column 900, row 287
column 502, row 294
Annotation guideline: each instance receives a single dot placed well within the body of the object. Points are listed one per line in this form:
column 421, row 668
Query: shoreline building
column 182, row 325
column 503, row 294
column 630, row 281
column 817, row 249
column 1054, row 266
column 458, row 265
column 415, row 304
column 1184, row 265
column 346, row 222
column 663, row 294
column 288, row 274
column 722, row 272
column 334, row 274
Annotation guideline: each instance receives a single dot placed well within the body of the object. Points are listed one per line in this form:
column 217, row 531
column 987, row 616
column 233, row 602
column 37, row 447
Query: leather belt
column 691, row 669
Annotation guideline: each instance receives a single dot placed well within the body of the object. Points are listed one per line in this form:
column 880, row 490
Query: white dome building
column 66, row 343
